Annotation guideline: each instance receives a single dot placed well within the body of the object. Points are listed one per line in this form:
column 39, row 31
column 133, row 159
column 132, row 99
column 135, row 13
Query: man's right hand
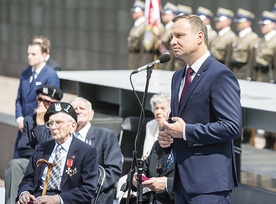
column 20, row 125
column 164, row 139
column 25, row 198
column 40, row 112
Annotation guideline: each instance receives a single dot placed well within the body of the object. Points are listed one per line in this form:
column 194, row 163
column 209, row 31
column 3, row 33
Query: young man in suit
column 34, row 132
column 74, row 177
column 106, row 143
column 37, row 74
column 204, row 120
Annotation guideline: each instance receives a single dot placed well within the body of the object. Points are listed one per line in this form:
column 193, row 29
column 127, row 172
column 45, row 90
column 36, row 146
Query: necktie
column 32, row 78
column 54, row 180
column 169, row 160
column 188, row 80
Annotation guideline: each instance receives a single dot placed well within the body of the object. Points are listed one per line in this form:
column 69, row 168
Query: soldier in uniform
column 265, row 60
column 168, row 13
column 242, row 55
column 206, row 16
column 221, row 45
column 242, row 47
column 136, row 35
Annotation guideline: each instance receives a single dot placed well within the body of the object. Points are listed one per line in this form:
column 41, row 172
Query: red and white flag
column 152, row 15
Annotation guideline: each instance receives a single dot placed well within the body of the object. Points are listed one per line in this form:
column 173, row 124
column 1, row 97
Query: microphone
column 162, row 59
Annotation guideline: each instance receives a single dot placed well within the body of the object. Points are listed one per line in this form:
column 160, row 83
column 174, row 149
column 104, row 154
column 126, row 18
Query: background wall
column 85, row 34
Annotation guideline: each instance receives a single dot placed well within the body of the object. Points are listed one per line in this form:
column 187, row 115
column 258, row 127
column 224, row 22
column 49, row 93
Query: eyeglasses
column 57, row 123
column 45, row 102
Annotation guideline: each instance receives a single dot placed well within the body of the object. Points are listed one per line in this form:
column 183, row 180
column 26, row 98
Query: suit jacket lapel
column 91, row 135
column 199, row 75
column 72, row 154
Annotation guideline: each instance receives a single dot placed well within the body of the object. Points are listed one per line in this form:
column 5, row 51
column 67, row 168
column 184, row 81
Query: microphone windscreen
column 164, row 58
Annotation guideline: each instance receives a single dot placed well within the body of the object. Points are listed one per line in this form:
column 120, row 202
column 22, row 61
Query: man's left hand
column 156, row 184
column 175, row 129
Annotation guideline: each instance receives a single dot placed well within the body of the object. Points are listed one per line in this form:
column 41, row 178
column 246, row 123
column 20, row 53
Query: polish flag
column 152, row 15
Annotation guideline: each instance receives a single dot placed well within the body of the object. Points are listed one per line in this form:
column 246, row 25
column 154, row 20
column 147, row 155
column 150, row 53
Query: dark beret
column 51, row 91
column 60, row 107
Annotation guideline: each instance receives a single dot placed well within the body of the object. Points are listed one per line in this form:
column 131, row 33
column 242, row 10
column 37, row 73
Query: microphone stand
column 138, row 162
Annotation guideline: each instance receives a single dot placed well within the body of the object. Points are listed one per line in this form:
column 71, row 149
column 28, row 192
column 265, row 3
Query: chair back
column 127, row 139
column 101, row 179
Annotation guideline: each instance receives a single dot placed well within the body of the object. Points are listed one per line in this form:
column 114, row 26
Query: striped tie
column 54, row 180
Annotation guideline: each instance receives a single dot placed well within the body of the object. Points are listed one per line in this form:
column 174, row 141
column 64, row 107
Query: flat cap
column 267, row 18
column 51, row 91
column 223, row 14
column 170, row 8
column 204, row 13
column 138, row 6
column 182, row 9
column 243, row 16
column 60, row 107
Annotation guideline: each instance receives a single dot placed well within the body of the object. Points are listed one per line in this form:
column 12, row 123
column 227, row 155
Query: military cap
column 267, row 18
column 51, row 91
column 204, row 13
column 243, row 15
column 138, row 6
column 182, row 9
column 170, row 8
column 223, row 14
column 60, row 107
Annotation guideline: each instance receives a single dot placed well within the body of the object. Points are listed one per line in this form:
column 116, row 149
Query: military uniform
column 265, row 61
column 135, row 37
column 206, row 15
column 242, row 48
column 164, row 41
column 265, row 50
column 221, row 46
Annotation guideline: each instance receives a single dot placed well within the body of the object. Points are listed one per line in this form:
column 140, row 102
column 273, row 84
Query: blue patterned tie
column 54, row 180
column 169, row 160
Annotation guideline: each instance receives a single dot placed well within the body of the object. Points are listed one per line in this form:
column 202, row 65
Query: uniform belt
column 237, row 64
column 261, row 68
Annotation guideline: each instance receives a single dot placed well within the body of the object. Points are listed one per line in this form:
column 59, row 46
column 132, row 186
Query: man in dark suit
column 204, row 122
column 106, row 143
column 34, row 132
column 73, row 179
column 37, row 74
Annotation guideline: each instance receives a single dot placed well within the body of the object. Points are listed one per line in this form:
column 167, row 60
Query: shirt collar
column 83, row 132
column 244, row 32
column 269, row 35
column 196, row 66
column 223, row 31
column 139, row 21
column 66, row 144
column 38, row 70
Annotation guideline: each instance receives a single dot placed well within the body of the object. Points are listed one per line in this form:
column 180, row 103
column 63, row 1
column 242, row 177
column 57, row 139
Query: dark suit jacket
column 212, row 110
column 159, row 157
column 52, row 63
column 109, row 156
column 31, row 135
column 80, row 187
column 26, row 95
